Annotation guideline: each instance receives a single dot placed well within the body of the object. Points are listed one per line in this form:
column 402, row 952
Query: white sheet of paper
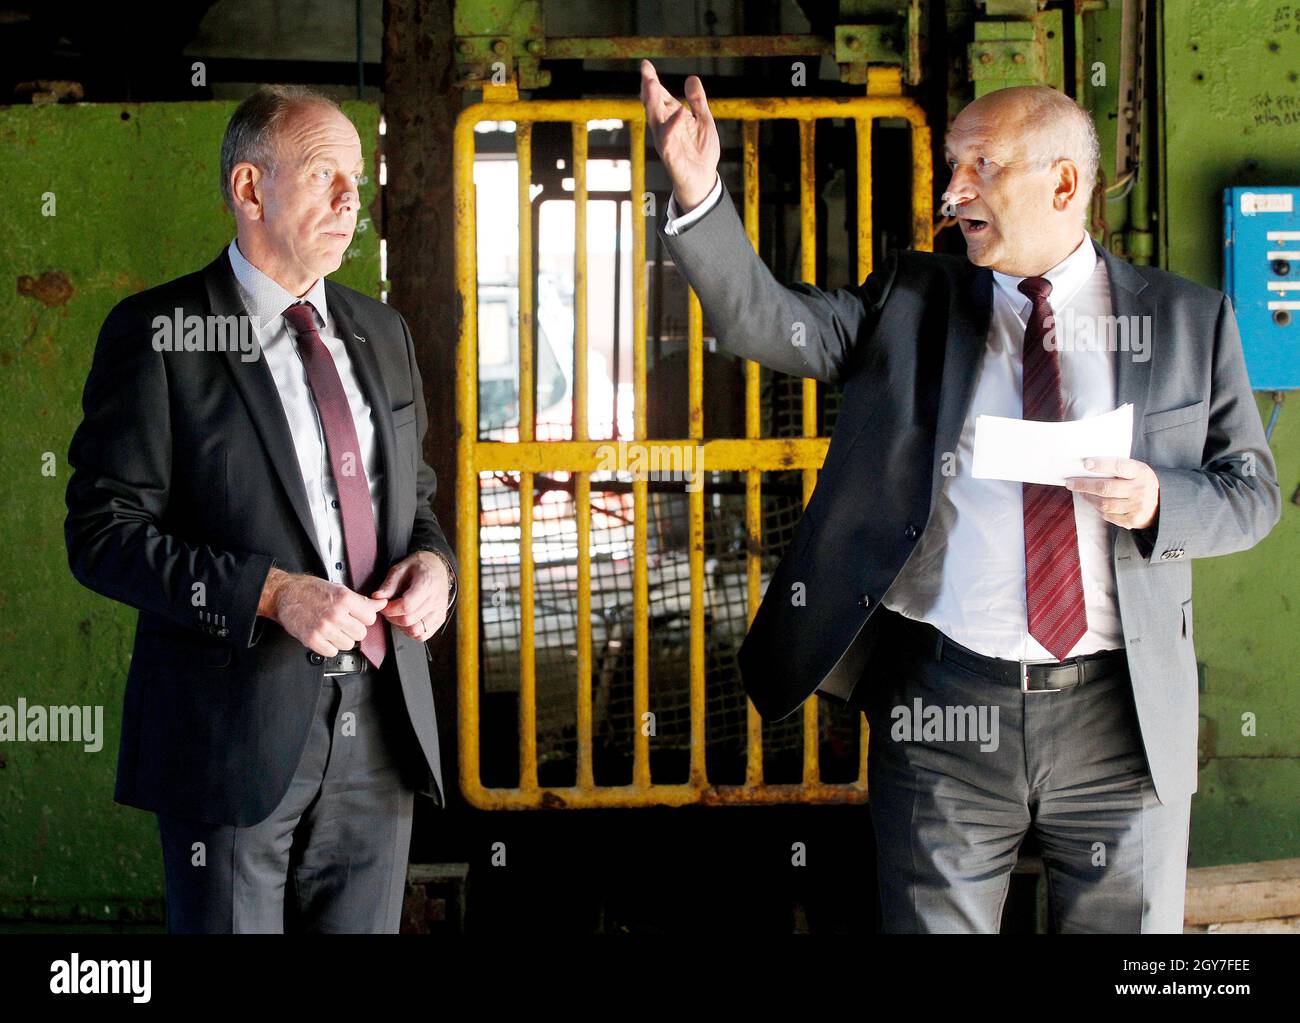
column 1032, row 452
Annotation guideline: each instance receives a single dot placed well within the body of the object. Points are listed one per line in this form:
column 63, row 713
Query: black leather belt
column 346, row 662
column 1045, row 675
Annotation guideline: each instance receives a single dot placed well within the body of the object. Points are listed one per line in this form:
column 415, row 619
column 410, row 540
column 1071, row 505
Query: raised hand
column 684, row 135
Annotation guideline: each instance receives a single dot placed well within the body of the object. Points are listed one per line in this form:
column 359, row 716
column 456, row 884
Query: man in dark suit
column 248, row 474
column 940, row 603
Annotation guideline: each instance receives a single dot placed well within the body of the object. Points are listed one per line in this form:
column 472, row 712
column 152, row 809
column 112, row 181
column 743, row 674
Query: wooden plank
column 1286, row 925
column 1243, row 891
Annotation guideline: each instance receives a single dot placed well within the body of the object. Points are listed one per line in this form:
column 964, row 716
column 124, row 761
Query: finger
column 333, row 634
column 657, row 100
column 363, row 608
column 322, row 647
column 695, row 97
column 392, row 581
column 1086, row 485
column 1111, row 508
column 402, row 606
column 413, row 613
column 353, row 628
column 1127, row 468
column 1105, row 486
column 649, row 80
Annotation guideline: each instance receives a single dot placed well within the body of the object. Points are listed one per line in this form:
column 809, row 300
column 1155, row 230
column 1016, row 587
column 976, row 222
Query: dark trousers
column 332, row 856
column 949, row 811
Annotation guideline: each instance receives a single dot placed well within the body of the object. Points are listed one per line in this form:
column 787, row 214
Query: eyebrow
column 357, row 167
column 985, row 148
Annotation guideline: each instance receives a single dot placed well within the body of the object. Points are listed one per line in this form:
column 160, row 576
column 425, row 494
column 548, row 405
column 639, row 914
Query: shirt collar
column 1067, row 277
column 264, row 298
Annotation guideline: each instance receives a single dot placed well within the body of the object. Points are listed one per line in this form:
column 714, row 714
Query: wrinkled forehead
column 318, row 130
column 989, row 127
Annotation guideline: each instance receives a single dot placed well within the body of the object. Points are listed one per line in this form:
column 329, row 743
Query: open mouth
column 971, row 226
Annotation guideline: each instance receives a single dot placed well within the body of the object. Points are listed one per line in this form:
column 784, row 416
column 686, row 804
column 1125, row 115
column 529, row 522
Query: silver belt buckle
column 1024, row 674
column 349, row 663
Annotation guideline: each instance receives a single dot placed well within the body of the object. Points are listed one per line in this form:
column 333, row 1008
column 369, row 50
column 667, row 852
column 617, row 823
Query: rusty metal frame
column 581, row 455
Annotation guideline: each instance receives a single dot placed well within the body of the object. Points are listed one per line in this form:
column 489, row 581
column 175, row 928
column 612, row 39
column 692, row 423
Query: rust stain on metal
column 50, row 288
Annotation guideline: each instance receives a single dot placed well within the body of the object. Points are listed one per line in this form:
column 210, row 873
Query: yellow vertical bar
column 753, row 478
column 640, row 576
column 862, row 125
column 467, row 495
column 808, row 246
column 582, row 480
column 695, row 336
column 922, row 188
column 527, row 622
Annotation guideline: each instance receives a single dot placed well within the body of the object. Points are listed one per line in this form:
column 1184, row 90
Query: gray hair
column 1060, row 129
column 251, row 134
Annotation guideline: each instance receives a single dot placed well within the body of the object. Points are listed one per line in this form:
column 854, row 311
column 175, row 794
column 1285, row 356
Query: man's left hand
column 421, row 586
column 1130, row 498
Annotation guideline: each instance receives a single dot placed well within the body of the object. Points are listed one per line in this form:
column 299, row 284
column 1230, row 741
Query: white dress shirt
column 265, row 301
column 967, row 574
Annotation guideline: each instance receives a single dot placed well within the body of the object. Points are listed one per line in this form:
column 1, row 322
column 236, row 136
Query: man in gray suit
column 1023, row 652
column 248, row 475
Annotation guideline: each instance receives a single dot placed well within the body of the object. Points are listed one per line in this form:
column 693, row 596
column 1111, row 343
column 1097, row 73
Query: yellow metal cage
column 581, row 456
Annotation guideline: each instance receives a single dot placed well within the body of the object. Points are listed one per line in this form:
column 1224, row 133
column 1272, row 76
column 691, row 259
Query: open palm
column 684, row 135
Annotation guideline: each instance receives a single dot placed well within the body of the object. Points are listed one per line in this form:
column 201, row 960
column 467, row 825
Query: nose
column 960, row 190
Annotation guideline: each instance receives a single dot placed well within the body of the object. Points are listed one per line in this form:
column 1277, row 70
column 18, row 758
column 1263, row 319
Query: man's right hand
column 323, row 616
column 685, row 136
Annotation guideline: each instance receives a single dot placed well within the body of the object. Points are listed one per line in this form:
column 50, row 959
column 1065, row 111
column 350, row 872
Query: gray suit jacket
column 906, row 347
column 184, row 472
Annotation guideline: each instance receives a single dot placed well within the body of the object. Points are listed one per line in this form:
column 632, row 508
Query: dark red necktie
column 359, row 535
column 1053, row 578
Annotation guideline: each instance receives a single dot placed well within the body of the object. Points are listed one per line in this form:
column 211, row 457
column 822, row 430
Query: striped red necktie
column 359, row 534
column 1053, row 579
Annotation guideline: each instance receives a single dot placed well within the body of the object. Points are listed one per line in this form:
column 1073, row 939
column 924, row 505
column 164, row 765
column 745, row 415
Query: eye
column 983, row 162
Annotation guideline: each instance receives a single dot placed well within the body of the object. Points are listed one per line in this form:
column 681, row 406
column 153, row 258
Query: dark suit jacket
column 906, row 346
column 185, row 491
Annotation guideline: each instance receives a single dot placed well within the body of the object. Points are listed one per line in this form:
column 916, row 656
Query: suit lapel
column 262, row 397
column 1131, row 304
column 968, row 325
column 361, row 351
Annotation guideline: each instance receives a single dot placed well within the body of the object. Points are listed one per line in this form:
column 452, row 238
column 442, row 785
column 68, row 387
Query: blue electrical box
column 1261, row 274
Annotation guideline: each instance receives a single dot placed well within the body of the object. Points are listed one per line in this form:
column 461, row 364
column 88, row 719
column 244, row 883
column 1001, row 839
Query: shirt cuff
column 677, row 222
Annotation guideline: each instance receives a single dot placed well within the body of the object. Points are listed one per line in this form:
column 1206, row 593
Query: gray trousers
column 332, row 856
column 949, row 812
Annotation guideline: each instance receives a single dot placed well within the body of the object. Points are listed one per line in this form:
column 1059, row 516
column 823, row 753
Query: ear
column 1068, row 182
column 246, row 189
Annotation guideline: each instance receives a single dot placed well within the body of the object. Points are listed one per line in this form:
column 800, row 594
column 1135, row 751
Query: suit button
column 315, row 658
column 865, row 600
column 911, row 532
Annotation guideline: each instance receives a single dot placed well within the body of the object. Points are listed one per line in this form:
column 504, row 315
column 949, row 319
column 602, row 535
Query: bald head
column 1024, row 162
